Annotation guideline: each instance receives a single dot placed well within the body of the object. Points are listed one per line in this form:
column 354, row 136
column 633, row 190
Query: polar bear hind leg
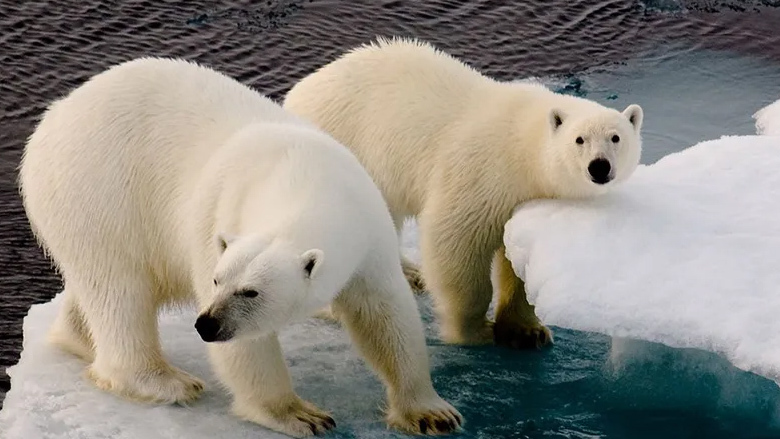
column 410, row 269
column 69, row 331
column 413, row 275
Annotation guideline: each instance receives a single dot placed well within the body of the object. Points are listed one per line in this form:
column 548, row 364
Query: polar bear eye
column 615, row 138
column 580, row 140
column 249, row 293
column 215, row 282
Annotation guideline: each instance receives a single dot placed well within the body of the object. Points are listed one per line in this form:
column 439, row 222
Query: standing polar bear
column 460, row 151
column 159, row 181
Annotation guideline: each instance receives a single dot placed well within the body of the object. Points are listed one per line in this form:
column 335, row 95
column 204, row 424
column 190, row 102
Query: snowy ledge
column 686, row 253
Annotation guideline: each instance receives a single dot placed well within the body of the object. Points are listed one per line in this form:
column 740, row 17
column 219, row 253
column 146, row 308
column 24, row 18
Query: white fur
column 460, row 151
column 160, row 181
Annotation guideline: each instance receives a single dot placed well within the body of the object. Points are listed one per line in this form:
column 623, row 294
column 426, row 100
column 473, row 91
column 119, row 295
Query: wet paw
column 162, row 385
column 438, row 419
column 522, row 336
column 298, row 418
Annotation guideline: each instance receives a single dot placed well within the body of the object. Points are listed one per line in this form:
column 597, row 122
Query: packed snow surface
column 768, row 119
column 685, row 253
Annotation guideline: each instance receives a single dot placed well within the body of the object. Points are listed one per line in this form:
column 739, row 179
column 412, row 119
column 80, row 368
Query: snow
column 685, row 253
column 768, row 120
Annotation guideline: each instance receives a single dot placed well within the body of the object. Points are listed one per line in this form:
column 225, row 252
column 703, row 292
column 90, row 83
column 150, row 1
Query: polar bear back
column 388, row 96
column 408, row 110
column 131, row 142
column 150, row 115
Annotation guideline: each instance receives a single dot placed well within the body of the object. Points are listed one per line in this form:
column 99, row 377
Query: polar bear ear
column 311, row 260
column 635, row 115
column 556, row 119
column 223, row 240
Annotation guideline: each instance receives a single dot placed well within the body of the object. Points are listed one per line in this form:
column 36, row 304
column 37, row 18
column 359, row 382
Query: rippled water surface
column 699, row 68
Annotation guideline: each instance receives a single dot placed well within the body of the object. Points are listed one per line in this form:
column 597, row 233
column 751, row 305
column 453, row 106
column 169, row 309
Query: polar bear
column 459, row 151
column 159, row 181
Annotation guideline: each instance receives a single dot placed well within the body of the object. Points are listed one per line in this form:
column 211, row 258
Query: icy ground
column 685, row 254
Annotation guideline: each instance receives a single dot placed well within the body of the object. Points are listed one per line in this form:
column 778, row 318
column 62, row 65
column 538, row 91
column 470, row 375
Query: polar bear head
column 258, row 287
column 591, row 148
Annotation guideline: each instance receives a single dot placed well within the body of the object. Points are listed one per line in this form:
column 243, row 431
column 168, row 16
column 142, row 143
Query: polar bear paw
column 434, row 419
column 328, row 314
column 297, row 418
column 413, row 276
column 466, row 335
column 160, row 385
column 522, row 335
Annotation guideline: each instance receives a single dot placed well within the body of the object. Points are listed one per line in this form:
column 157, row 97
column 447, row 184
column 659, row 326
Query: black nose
column 599, row 171
column 208, row 327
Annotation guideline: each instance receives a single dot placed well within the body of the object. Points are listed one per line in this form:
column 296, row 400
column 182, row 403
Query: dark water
column 46, row 48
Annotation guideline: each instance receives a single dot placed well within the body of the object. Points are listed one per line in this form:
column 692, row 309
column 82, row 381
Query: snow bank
column 768, row 120
column 686, row 253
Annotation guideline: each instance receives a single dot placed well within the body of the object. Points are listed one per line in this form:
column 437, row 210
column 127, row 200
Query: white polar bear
column 158, row 181
column 460, row 151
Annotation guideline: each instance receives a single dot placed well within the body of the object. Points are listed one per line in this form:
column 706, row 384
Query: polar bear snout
column 600, row 171
column 211, row 329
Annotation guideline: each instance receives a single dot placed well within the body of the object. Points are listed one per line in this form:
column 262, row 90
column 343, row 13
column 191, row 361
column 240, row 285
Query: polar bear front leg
column 456, row 267
column 516, row 323
column 256, row 374
column 128, row 360
column 381, row 316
